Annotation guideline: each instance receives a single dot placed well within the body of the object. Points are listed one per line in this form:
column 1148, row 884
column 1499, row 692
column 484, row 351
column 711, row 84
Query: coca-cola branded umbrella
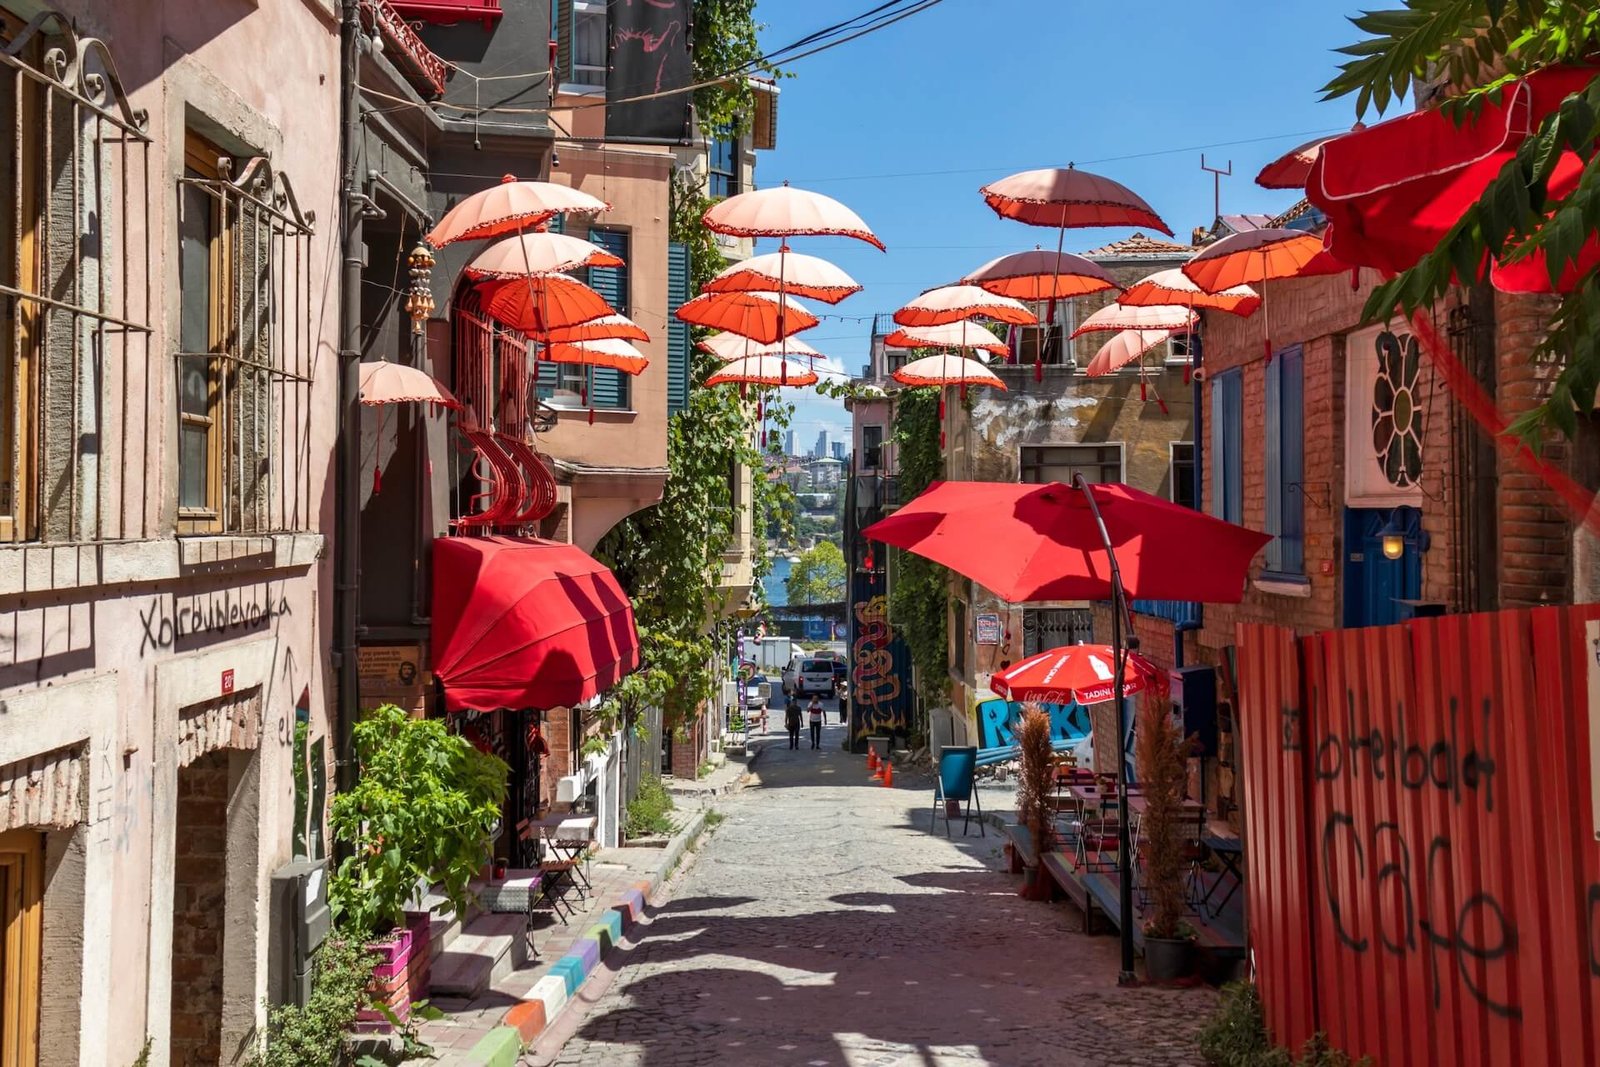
column 1074, row 673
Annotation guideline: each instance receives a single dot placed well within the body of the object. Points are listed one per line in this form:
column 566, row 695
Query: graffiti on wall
column 997, row 722
column 880, row 696
column 184, row 622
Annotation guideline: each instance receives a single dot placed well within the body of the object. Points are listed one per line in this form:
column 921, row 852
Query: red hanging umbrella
column 784, row 211
column 1041, row 275
column 966, row 335
column 952, row 303
column 394, row 383
column 1264, row 255
column 509, row 207
column 539, row 303
column 1041, row 542
column 947, row 368
column 1392, row 191
column 762, row 317
column 606, row 326
column 726, row 346
column 1065, row 197
column 1074, row 673
column 762, row 370
column 799, row 275
column 1290, row 170
column 606, row 352
column 1172, row 286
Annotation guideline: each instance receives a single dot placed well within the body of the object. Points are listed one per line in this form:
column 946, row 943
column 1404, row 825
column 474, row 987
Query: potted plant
column 1161, row 749
column 421, row 812
column 1035, row 790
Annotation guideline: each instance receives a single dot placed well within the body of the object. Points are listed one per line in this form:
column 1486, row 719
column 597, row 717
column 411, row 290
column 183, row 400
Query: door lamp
column 1396, row 533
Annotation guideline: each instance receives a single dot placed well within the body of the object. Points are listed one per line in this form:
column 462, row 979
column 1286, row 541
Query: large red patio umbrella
column 1392, row 191
column 1041, row 542
column 508, row 207
column 1074, row 673
column 1079, row 542
column 952, row 303
column 796, row 274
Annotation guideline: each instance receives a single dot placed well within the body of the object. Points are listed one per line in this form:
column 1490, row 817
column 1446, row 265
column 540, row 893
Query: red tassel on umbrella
column 760, row 409
column 1266, row 345
column 1038, row 370
column 377, row 480
column 963, row 390
column 941, row 404
column 1163, row 404
column 1144, row 396
column 868, row 559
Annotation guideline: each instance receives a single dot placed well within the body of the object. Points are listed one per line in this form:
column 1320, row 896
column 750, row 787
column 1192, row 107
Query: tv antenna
column 1217, row 174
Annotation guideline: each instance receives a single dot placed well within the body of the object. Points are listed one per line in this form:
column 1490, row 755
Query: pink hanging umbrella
column 1039, row 275
column 540, row 252
column 509, row 207
column 952, row 303
column 762, row 317
column 606, row 326
column 1065, row 197
column 945, row 369
column 726, row 346
column 762, row 370
column 1172, row 286
column 1124, row 348
column 1152, row 317
column 965, row 334
column 800, row 275
column 783, row 211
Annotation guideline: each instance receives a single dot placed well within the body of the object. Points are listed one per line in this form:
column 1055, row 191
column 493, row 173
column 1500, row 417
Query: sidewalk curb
column 551, row 996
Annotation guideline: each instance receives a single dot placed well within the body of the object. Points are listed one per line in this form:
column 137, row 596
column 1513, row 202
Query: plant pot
column 1167, row 959
column 390, row 985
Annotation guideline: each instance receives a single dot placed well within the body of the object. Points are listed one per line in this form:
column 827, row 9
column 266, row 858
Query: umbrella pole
column 783, row 355
column 1120, row 664
column 1266, row 316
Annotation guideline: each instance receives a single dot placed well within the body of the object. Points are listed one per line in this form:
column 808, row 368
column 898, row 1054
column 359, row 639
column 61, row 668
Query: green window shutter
column 608, row 387
column 677, row 331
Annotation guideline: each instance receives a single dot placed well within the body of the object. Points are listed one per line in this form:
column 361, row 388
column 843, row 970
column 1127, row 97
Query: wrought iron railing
column 414, row 58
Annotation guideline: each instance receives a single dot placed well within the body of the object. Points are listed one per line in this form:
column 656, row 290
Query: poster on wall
column 1384, row 413
column 392, row 674
column 649, row 56
column 988, row 628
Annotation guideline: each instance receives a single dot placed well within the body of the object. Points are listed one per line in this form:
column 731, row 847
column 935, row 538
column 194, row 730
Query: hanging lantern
column 419, row 294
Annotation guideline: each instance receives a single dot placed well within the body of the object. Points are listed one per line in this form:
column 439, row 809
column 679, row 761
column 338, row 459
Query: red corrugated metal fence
column 1424, row 877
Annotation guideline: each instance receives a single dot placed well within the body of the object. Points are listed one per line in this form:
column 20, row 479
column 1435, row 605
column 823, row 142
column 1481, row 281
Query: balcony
column 450, row 12
column 1174, row 611
column 877, row 493
column 425, row 71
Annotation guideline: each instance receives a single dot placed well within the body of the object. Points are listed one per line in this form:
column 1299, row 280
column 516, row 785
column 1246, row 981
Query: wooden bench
column 1024, row 856
column 1059, row 866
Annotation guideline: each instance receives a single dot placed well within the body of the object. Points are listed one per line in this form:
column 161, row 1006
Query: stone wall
column 199, row 904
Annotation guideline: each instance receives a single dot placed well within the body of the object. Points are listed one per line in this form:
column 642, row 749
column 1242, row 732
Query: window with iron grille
column 1047, row 628
column 1058, row 463
column 722, row 165
column 79, row 436
column 243, row 339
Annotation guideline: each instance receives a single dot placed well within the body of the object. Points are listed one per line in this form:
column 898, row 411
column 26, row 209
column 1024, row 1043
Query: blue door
column 1374, row 585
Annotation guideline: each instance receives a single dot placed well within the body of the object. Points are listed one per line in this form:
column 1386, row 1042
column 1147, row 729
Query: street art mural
column 880, row 668
column 997, row 723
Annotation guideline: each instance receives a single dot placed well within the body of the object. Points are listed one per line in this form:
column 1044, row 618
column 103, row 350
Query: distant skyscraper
column 821, row 451
column 838, row 451
column 788, row 444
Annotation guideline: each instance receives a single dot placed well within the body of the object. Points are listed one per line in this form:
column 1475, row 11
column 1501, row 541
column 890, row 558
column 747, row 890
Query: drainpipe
column 347, row 522
column 1178, row 630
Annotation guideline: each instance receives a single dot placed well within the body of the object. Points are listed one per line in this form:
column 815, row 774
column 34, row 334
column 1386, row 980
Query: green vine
column 725, row 39
column 919, row 597
column 670, row 556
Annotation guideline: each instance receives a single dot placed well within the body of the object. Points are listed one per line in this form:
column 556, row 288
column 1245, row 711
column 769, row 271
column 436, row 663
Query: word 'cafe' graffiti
column 1415, row 762
column 168, row 622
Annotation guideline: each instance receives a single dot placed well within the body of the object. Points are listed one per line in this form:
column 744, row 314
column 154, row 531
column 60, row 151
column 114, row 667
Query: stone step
column 443, row 924
column 486, row 950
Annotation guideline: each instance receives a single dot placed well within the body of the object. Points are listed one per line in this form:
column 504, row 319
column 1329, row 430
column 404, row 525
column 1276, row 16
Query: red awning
column 525, row 623
column 1393, row 190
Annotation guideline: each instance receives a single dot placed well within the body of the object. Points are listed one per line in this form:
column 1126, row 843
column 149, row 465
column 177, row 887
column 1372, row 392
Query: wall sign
column 988, row 628
column 392, row 674
column 1384, row 419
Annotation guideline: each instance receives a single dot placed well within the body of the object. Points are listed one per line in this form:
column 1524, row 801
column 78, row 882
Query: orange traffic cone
column 872, row 758
column 877, row 771
column 888, row 774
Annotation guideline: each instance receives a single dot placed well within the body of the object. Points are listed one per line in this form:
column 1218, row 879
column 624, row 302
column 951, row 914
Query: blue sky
column 986, row 88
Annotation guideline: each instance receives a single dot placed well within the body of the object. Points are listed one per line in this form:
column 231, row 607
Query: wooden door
column 21, row 912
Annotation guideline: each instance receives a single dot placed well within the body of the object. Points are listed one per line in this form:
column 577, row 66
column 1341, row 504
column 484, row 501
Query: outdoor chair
column 957, row 770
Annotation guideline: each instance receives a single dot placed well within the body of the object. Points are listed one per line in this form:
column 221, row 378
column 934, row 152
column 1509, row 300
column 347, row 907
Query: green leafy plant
column 819, row 576
column 317, row 1034
column 647, row 811
column 1160, row 751
column 920, row 595
column 1236, row 1036
column 1480, row 46
column 422, row 809
column 725, row 43
column 714, row 819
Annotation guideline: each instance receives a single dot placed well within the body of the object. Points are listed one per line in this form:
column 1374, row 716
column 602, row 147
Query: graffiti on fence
column 1443, row 763
column 1465, row 937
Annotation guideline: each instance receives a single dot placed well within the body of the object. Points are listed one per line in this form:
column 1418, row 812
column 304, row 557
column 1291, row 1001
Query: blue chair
column 957, row 765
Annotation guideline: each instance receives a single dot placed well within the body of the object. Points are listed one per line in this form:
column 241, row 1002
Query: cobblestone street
column 822, row 924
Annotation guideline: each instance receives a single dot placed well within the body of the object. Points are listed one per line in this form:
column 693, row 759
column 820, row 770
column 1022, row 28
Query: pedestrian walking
column 815, row 712
column 791, row 721
column 844, row 702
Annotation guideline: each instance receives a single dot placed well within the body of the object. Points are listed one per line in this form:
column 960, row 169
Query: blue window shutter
column 677, row 332
column 1236, row 447
column 1273, row 442
column 608, row 387
column 1291, row 461
column 1227, row 435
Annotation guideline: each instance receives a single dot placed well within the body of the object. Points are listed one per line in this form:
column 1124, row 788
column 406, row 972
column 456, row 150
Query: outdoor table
column 1138, row 802
column 515, row 894
column 568, row 837
column 1229, row 851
